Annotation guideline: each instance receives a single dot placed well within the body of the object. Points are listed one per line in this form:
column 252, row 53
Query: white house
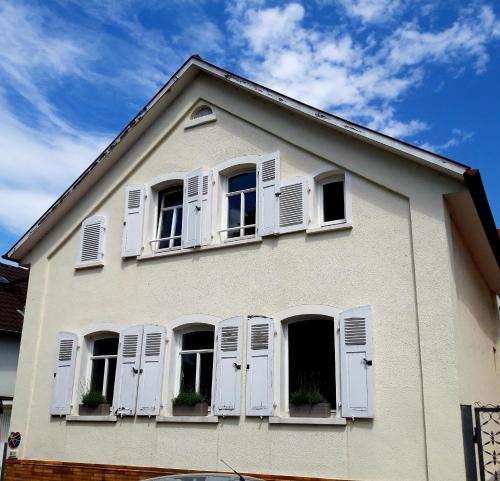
column 234, row 242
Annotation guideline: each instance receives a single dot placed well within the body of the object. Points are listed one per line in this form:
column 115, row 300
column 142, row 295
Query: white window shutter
column 268, row 186
column 293, row 205
column 206, row 208
column 127, row 371
column 228, row 367
column 151, row 371
column 191, row 222
column 92, row 240
column 133, row 220
column 260, row 340
column 64, row 374
column 356, row 369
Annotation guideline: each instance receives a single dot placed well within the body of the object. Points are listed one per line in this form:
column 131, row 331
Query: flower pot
column 320, row 410
column 99, row 410
column 198, row 409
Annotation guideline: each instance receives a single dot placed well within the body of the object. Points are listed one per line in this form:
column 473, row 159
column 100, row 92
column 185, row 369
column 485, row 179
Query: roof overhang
column 188, row 71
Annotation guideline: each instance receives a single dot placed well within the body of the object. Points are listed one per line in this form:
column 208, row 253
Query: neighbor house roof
column 167, row 94
column 13, row 288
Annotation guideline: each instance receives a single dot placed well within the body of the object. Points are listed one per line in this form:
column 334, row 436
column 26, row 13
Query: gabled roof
column 13, row 288
column 166, row 95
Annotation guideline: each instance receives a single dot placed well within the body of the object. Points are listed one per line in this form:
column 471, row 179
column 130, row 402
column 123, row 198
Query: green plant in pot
column 94, row 404
column 309, row 403
column 190, row 403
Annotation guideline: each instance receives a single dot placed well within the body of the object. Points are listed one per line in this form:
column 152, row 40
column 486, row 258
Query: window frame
column 321, row 214
column 159, row 217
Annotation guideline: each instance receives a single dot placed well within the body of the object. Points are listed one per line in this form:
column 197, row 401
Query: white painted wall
column 9, row 352
column 396, row 258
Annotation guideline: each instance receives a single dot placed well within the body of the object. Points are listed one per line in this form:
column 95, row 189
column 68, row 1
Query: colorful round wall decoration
column 14, row 440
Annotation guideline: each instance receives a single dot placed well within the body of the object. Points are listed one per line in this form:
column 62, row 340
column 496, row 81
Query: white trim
column 93, row 419
column 99, row 327
column 193, row 319
column 187, row 419
column 329, row 228
column 190, row 123
column 89, row 265
column 225, row 167
column 333, row 420
column 163, row 181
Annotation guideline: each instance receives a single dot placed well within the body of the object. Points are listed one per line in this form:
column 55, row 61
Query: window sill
column 328, row 228
column 252, row 240
column 315, row 421
column 187, row 419
column 89, row 265
column 100, row 419
column 188, row 124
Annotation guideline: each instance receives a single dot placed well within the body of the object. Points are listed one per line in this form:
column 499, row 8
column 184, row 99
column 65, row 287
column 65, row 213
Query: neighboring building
column 238, row 243
column 13, row 286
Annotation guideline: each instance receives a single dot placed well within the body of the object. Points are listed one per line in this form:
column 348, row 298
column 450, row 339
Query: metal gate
column 482, row 435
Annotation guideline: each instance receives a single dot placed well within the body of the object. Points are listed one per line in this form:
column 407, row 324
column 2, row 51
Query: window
column 332, row 201
column 241, row 205
column 311, row 357
column 169, row 230
column 202, row 112
column 103, row 366
column 196, row 360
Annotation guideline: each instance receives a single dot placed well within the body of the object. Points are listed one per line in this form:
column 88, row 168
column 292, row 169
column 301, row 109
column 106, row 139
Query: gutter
column 473, row 181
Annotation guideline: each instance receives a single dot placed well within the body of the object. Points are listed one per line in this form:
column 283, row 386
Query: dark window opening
column 311, row 357
column 333, row 201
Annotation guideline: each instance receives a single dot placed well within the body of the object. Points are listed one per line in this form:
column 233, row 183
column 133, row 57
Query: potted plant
column 309, row 403
column 94, row 404
column 190, row 403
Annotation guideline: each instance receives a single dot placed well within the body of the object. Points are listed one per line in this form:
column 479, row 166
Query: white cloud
column 371, row 10
column 457, row 138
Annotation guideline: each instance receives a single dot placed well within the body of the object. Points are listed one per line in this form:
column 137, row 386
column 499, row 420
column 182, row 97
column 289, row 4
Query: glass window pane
column 311, row 357
column 198, row 340
column 97, row 377
column 171, row 197
column 206, row 366
column 111, row 380
column 233, row 214
column 188, row 372
column 250, row 210
column 108, row 346
column 333, row 201
column 165, row 228
column 242, row 182
column 178, row 227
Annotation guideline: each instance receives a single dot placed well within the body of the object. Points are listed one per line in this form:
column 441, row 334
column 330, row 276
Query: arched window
column 202, row 111
column 241, row 204
column 103, row 353
column 169, row 226
column 311, row 358
column 196, row 360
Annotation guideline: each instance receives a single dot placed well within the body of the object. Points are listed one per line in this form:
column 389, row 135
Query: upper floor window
column 169, row 229
column 202, row 111
column 196, row 356
column 103, row 366
column 241, row 204
column 332, row 200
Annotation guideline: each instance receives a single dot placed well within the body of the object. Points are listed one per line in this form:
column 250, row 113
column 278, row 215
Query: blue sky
column 73, row 73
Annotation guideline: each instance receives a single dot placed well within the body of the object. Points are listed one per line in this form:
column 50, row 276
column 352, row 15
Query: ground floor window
column 196, row 363
column 311, row 357
column 103, row 366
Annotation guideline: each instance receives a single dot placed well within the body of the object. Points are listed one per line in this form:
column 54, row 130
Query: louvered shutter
column 293, row 212
column 356, row 370
column 151, row 371
column 127, row 371
column 92, row 240
column 191, row 223
column 206, row 208
column 133, row 220
column 228, row 367
column 268, row 186
column 260, row 340
column 64, row 373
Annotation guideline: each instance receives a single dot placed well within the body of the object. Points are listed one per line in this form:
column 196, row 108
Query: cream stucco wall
column 478, row 331
column 396, row 258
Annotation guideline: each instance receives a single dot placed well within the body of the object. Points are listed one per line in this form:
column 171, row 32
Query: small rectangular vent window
column 90, row 244
column 192, row 186
column 268, row 170
column 134, row 199
column 153, row 344
column 130, row 342
column 259, row 337
column 229, row 338
column 291, row 205
column 65, row 350
column 355, row 331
